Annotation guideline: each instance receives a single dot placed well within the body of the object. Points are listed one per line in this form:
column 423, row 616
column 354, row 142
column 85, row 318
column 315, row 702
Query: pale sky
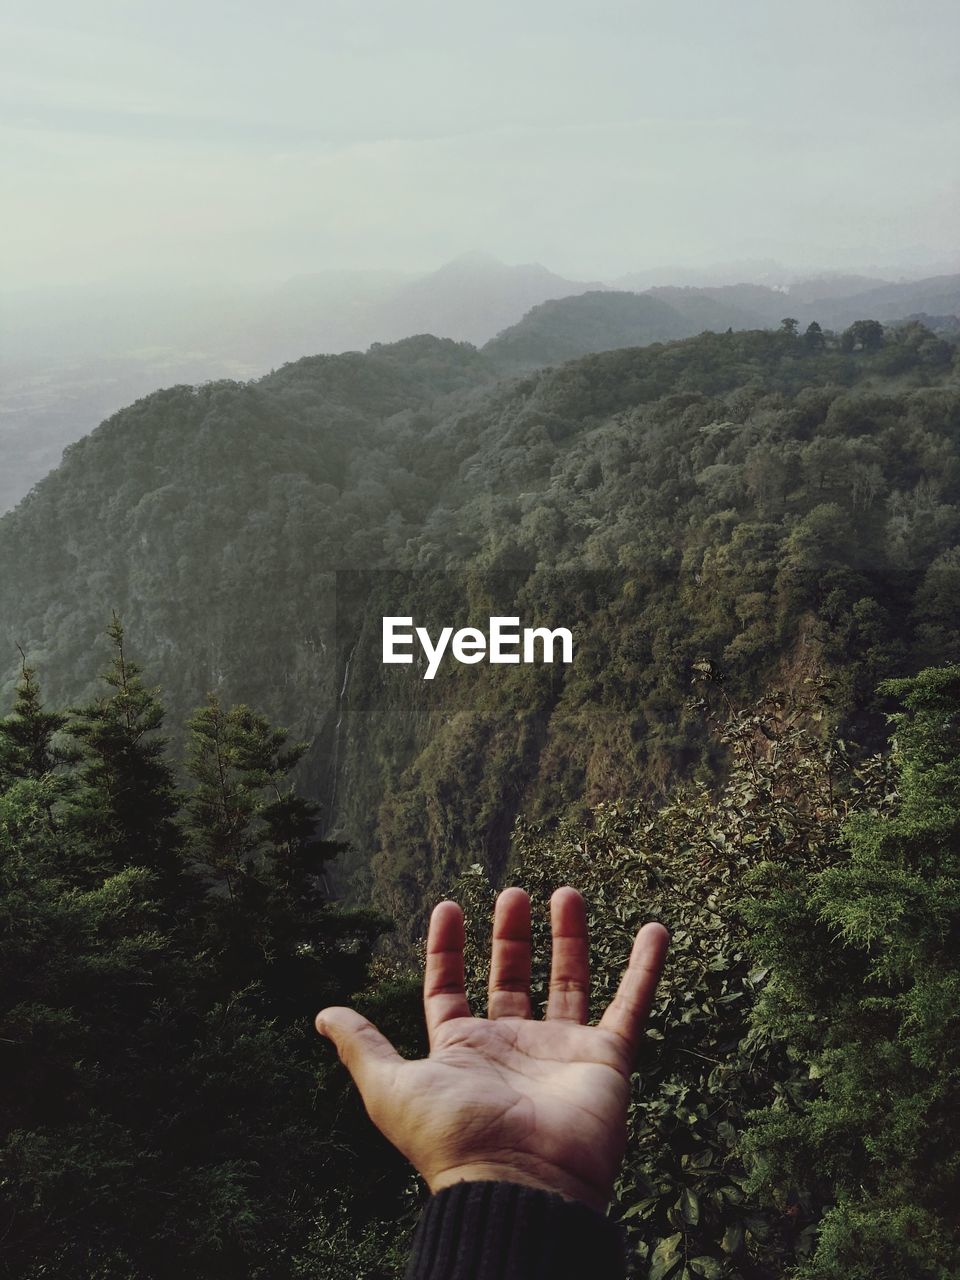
column 210, row 140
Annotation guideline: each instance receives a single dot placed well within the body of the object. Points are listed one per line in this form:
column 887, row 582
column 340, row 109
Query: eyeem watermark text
column 503, row 641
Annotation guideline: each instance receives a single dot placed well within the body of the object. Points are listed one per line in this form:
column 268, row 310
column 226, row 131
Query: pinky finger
column 627, row 1011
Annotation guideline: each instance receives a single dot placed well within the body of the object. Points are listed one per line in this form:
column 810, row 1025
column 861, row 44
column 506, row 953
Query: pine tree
column 125, row 798
column 27, row 748
column 161, row 1110
column 255, row 844
column 82, row 959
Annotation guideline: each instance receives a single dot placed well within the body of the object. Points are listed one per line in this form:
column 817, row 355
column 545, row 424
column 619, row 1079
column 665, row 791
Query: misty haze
column 452, row 449
column 170, row 219
column 72, row 358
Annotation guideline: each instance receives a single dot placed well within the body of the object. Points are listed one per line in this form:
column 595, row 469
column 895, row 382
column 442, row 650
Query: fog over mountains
column 72, row 358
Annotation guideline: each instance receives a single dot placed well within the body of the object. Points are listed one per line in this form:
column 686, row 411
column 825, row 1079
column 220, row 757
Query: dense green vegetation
column 765, row 502
column 797, row 1108
column 863, row 987
column 755, row 511
column 167, row 1109
column 161, row 955
column 565, row 328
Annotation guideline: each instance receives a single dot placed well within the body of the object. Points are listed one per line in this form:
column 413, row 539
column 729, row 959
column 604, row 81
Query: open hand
column 505, row 1097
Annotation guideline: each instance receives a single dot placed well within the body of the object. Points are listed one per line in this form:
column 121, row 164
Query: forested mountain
column 565, row 328
column 746, row 305
column 70, row 358
column 937, row 295
column 745, row 532
column 753, row 504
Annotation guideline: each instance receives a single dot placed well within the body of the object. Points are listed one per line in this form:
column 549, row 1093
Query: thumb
column 369, row 1056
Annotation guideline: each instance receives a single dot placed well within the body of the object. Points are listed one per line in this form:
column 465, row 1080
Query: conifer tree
column 82, row 959
column 160, row 1106
column 27, row 749
column 235, row 756
column 125, row 797
column 255, row 843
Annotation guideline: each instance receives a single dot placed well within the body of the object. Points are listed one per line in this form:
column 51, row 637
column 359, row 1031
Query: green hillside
column 566, row 328
column 762, row 502
column 745, row 533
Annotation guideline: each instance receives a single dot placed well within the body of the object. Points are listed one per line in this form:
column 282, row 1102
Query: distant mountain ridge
column 66, row 368
column 568, row 328
column 938, row 295
column 472, row 298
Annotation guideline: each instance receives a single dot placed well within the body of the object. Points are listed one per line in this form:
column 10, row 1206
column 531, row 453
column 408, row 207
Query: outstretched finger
column 443, row 986
column 627, row 1011
column 509, row 991
column 569, row 997
column 368, row 1056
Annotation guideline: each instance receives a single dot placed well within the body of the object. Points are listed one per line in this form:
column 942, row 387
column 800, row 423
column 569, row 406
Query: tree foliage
column 796, row 1109
column 864, row 989
column 161, row 1110
column 753, row 498
column 795, row 1112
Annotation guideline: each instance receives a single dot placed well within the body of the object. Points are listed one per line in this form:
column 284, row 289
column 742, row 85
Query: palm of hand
column 506, row 1097
column 548, row 1099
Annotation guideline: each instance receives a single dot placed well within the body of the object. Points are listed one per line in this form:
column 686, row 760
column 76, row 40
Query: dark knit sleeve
column 505, row 1231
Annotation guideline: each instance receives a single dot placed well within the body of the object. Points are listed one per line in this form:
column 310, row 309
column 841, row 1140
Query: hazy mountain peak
column 480, row 265
column 472, row 297
column 473, row 260
column 827, row 285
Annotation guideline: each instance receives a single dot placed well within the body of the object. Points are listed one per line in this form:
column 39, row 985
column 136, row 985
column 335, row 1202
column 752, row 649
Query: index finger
column 444, row 996
column 627, row 1011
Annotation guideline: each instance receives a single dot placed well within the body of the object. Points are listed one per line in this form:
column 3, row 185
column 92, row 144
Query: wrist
column 538, row 1178
column 489, row 1230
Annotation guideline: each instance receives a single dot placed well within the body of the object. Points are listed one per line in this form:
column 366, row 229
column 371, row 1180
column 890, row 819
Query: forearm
column 506, row 1231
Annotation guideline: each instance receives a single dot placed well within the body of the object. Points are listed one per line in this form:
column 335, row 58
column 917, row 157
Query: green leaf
column 708, row 1267
column 726, row 1132
column 641, row 1208
column 689, row 1207
column 666, row 1257
column 732, row 1238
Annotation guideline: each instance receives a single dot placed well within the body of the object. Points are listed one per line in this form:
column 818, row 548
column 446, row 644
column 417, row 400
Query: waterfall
column 336, row 730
